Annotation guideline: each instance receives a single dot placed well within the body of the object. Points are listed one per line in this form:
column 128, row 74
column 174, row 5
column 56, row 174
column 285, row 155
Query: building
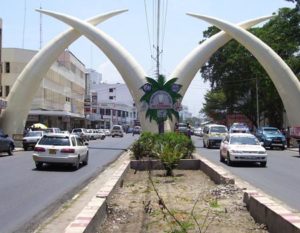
column 109, row 104
column 3, row 102
column 59, row 102
column 184, row 114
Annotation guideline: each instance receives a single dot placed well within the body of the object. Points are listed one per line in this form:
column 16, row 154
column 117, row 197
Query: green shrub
column 168, row 147
column 143, row 147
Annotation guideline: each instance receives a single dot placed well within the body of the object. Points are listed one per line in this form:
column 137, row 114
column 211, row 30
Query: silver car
column 31, row 138
column 61, row 148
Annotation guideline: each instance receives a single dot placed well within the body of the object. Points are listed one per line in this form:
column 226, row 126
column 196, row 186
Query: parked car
column 213, row 134
column 31, row 138
column 117, row 130
column 271, row 137
column 7, row 144
column 52, row 130
column 61, row 148
column 242, row 147
column 136, row 130
column 82, row 133
column 239, row 128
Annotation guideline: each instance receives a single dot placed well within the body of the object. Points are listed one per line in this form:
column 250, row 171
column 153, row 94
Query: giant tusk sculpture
column 20, row 98
column 131, row 72
column 186, row 70
column 285, row 81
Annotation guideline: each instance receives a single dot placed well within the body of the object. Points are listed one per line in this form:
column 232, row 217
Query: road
column 28, row 195
column 279, row 179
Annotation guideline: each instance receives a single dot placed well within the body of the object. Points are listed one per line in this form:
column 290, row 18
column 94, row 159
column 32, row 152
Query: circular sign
column 161, row 100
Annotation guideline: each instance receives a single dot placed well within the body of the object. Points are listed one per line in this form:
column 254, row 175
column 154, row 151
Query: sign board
column 161, row 100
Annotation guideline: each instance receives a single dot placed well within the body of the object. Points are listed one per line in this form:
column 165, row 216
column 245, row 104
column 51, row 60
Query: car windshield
column 244, row 141
column 272, row 131
column 34, row 134
column 55, row 141
column 218, row 129
column 116, row 128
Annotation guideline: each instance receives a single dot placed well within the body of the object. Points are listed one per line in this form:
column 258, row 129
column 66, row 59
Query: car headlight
column 262, row 152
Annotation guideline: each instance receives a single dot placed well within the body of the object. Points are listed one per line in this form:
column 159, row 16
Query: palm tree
column 161, row 85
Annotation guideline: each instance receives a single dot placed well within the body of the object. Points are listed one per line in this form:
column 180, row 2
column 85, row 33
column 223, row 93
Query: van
column 213, row 134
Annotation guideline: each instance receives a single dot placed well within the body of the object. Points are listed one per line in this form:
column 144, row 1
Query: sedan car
column 271, row 137
column 7, row 144
column 61, row 148
column 242, row 147
column 31, row 138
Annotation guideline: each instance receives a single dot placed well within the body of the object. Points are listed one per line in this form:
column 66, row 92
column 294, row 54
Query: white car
column 117, row 130
column 242, row 147
column 61, row 148
column 31, row 138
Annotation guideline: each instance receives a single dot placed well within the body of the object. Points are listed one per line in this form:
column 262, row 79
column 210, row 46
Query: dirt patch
column 192, row 198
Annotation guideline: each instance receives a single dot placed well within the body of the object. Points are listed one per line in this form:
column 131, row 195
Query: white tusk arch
column 285, row 81
column 20, row 98
column 132, row 73
column 186, row 70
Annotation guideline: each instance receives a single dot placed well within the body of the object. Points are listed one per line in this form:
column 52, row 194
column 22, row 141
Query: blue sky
column 21, row 28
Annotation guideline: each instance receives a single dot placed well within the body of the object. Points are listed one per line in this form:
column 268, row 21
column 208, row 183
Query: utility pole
column 157, row 38
column 41, row 27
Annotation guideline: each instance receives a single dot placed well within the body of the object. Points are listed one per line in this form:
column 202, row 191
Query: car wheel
column 25, row 148
column 39, row 165
column 263, row 164
column 229, row 162
column 10, row 149
column 222, row 160
column 283, row 148
column 76, row 164
column 86, row 161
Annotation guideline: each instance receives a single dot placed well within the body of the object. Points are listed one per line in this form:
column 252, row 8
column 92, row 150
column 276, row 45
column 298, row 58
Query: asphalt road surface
column 280, row 179
column 28, row 195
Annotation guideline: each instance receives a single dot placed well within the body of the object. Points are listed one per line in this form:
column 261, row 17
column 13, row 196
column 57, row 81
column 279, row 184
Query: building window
column 7, row 67
column 0, row 91
column 111, row 89
column 68, row 99
column 101, row 111
column 107, row 112
column 6, row 90
column 111, row 97
column 119, row 113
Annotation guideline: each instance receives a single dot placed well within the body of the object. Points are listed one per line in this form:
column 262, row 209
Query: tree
column 233, row 71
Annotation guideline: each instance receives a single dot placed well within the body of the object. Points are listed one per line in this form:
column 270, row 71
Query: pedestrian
column 288, row 137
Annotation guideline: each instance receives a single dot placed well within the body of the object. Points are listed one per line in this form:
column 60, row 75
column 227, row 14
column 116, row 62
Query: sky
column 135, row 30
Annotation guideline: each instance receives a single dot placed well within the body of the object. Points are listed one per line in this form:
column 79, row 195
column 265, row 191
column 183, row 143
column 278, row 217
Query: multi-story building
column 110, row 104
column 3, row 102
column 184, row 114
column 59, row 102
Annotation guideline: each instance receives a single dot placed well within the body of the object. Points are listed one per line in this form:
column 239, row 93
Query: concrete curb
column 262, row 208
column 95, row 212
